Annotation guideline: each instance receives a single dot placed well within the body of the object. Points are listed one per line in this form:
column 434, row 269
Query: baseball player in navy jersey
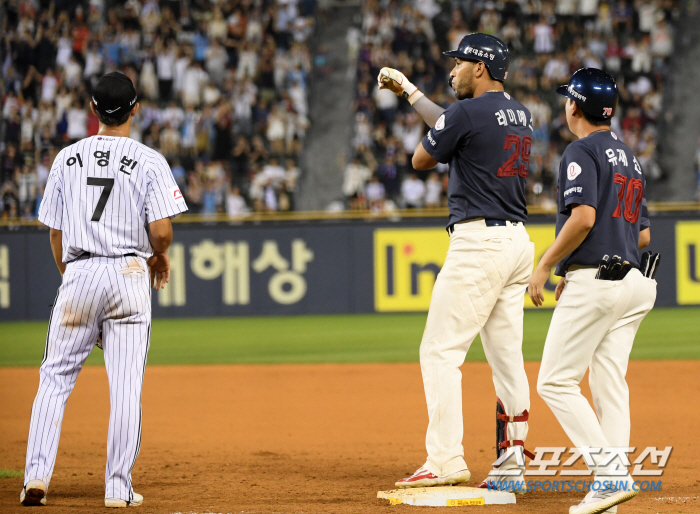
column 486, row 137
column 108, row 203
column 603, row 295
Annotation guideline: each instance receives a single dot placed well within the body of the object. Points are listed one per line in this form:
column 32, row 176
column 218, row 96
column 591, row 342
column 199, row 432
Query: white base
column 446, row 496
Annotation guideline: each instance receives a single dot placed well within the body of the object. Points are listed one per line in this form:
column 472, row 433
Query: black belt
column 575, row 267
column 489, row 223
column 87, row 255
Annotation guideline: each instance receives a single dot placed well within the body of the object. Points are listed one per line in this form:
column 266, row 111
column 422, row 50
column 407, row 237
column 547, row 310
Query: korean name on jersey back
column 103, row 191
column 600, row 171
column 487, row 141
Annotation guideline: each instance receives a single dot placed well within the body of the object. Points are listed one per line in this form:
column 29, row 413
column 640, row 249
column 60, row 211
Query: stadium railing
column 260, row 217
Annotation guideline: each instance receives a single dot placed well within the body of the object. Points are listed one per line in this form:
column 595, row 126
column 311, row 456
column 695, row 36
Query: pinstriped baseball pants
column 98, row 292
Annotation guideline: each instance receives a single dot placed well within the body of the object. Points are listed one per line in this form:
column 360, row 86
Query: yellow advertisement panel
column 407, row 261
column 687, row 262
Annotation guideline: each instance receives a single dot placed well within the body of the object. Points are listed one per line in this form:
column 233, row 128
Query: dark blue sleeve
column 448, row 134
column 578, row 177
column 644, row 222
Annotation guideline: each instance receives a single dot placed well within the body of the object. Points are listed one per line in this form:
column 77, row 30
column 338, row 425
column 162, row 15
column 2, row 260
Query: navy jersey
column 487, row 142
column 601, row 171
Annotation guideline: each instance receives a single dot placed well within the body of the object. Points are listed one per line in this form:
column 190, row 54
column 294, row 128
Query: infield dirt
column 318, row 438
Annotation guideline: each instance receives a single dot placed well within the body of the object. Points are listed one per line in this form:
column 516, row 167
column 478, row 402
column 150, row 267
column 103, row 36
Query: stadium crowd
column 549, row 40
column 222, row 88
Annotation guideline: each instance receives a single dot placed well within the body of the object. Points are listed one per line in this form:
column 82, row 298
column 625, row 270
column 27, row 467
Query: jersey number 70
column 632, row 190
column 521, row 150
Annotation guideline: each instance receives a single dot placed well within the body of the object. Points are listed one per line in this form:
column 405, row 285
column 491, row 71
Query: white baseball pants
column 594, row 325
column 97, row 292
column 480, row 289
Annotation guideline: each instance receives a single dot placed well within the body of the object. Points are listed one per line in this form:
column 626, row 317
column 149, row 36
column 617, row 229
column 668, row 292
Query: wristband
column 413, row 97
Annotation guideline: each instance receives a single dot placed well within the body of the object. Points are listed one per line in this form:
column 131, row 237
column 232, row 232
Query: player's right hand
column 396, row 82
column 559, row 289
column 536, row 287
column 159, row 265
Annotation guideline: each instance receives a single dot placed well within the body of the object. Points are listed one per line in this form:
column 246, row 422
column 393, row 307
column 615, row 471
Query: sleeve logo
column 176, row 194
column 440, row 123
column 573, row 171
column 575, row 190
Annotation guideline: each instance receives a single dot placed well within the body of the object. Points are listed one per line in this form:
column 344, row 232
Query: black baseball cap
column 114, row 95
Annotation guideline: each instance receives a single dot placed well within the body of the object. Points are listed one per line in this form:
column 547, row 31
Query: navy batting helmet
column 593, row 90
column 487, row 49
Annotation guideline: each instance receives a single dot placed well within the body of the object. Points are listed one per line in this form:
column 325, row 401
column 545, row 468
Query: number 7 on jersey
column 107, row 184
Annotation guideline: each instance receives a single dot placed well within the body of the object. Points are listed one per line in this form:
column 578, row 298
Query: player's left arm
column 164, row 200
column 56, row 239
column 570, row 237
column 160, row 234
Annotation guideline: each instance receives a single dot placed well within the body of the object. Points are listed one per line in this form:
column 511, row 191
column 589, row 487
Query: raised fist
column 396, row 82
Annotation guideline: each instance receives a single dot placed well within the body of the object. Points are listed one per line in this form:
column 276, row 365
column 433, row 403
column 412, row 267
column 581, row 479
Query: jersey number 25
column 522, row 150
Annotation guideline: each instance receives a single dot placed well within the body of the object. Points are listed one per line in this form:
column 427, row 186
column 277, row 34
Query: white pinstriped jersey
column 103, row 191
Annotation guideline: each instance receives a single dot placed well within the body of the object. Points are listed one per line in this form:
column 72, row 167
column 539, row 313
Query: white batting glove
column 397, row 83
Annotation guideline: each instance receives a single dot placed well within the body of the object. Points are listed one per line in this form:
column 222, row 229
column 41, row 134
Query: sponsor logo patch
column 440, row 123
column 176, row 194
column 574, row 190
column 573, row 171
column 431, row 140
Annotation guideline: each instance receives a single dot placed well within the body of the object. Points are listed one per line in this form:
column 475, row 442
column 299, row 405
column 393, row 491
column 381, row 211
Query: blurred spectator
column 76, row 118
column 224, row 84
column 413, row 190
column 291, row 181
column 433, row 191
column 235, row 203
column 548, row 42
column 375, row 195
column 356, row 176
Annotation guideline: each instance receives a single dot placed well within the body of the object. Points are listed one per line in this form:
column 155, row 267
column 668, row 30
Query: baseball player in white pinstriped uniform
column 108, row 203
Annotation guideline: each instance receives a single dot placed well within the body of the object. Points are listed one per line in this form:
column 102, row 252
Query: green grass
column 10, row 473
column 665, row 334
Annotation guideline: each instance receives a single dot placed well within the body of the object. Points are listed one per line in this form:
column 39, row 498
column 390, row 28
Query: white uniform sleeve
column 51, row 208
column 163, row 198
